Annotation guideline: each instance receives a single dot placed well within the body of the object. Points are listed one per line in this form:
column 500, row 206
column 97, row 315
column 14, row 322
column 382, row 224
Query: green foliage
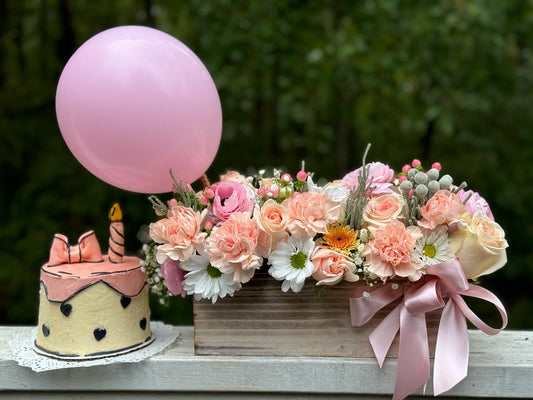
column 447, row 81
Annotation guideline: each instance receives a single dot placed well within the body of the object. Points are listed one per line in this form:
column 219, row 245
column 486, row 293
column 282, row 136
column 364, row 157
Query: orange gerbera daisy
column 340, row 238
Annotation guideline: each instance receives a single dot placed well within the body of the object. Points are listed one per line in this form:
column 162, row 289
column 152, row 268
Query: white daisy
column 290, row 262
column 207, row 282
column 433, row 247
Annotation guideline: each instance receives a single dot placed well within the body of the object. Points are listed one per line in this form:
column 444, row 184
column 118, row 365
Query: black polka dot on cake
column 125, row 301
column 65, row 309
column 142, row 324
column 45, row 330
column 99, row 333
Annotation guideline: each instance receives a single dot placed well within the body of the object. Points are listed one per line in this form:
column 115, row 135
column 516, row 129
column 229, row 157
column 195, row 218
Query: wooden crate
column 262, row 320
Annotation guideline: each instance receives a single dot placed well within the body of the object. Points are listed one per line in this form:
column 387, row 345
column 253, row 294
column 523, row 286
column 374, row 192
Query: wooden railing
column 500, row 367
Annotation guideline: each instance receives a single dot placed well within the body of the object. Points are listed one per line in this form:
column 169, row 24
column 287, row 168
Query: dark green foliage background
column 447, row 81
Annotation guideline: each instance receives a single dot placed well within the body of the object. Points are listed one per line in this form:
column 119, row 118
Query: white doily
column 25, row 355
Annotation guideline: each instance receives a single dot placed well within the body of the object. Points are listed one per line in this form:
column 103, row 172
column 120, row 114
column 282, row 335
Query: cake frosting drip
column 65, row 280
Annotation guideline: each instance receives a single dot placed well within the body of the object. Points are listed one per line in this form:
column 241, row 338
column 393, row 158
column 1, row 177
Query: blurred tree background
column 448, row 81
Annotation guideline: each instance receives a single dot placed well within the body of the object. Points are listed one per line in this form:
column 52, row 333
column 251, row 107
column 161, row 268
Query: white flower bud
column 421, row 190
column 405, row 186
column 433, row 174
column 445, row 182
column 421, row 177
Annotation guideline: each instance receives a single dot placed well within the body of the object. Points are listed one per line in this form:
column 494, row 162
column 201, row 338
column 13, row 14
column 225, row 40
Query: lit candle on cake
column 116, row 235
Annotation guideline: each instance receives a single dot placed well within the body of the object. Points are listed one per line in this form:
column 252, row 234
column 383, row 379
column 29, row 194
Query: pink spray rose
column 272, row 219
column 310, row 213
column 381, row 175
column 391, row 252
column 444, row 207
column 230, row 197
column 475, row 203
column 173, row 276
column 179, row 234
column 231, row 247
column 380, row 210
column 332, row 267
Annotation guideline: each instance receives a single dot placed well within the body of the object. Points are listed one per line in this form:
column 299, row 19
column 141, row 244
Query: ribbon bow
column 444, row 280
column 87, row 250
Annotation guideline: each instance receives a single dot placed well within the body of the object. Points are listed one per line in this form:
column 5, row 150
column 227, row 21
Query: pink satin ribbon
column 86, row 250
column 442, row 281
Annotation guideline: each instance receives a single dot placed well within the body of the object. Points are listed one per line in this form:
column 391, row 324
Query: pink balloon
column 133, row 102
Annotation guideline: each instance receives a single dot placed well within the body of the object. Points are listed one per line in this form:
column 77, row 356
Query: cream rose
column 381, row 210
column 479, row 246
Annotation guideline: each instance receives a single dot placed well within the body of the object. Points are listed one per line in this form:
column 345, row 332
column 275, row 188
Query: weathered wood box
column 262, row 320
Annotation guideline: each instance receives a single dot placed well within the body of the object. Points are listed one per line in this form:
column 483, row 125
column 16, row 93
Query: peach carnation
column 231, row 246
column 310, row 213
column 179, row 234
column 331, row 267
column 444, row 207
column 392, row 251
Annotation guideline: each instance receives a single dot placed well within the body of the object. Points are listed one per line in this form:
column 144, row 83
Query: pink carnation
column 391, row 252
column 444, row 207
column 173, row 276
column 231, row 246
column 229, row 197
column 310, row 213
column 381, row 176
column 179, row 234
column 475, row 203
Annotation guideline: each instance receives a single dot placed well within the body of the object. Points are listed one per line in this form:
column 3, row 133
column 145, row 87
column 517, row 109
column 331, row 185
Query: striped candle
column 116, row 235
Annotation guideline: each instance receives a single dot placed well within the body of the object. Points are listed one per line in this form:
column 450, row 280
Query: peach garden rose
column 332, row 267
column 380, row 210
column 272, row 219
column 479, row 246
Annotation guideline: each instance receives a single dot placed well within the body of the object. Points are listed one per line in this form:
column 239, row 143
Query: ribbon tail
column 413, row 369
column 451, row 351
column 383, row 335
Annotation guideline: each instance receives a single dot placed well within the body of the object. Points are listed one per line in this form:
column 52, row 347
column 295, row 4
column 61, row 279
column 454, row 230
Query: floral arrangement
column 373, row 224
column 412, row 236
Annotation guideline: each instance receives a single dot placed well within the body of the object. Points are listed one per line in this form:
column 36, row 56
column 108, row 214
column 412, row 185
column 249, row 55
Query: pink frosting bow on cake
column 86, row 250
column 444, row 280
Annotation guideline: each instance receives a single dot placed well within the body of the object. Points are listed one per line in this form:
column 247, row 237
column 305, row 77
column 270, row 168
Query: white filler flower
column 290, row 262
column 207, row 282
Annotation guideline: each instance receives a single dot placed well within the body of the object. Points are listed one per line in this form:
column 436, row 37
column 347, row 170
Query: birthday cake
column 92, row 305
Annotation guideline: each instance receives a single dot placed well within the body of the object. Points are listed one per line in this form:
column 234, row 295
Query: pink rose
column 391, row 252
column 380, row 210
column 231, row 246
column 310, row 213
column 331, row 267
column 272, row 219
column 230, row 197
column 173, row 276
column 179, row 234
column 479, row 246
column 475, row 203
column 444, row 207
column 380, row 174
